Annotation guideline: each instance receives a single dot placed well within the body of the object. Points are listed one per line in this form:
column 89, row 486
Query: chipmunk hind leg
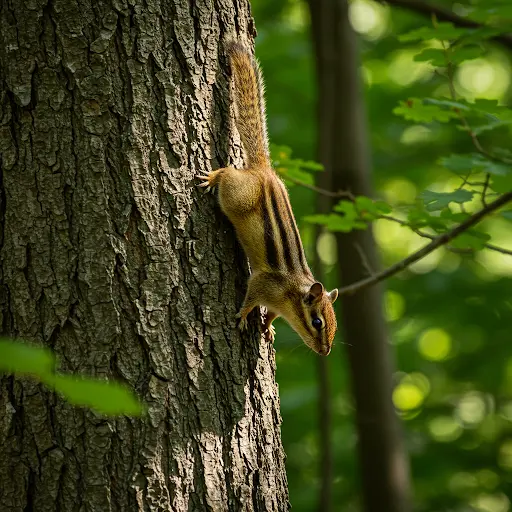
column 239, row 191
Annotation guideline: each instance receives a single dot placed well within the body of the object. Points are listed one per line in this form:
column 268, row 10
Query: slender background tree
column 343, row 149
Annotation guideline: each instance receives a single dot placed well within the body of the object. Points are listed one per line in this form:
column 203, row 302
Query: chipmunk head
column 314, row 319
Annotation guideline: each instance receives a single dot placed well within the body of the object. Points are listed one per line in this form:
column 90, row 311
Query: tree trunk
column 112, row 257
column 344, row 151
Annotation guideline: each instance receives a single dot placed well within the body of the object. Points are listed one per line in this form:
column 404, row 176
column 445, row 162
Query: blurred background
column 449, row 316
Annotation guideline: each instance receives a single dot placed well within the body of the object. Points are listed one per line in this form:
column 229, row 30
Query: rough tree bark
column 343, row 149
column 112, row 257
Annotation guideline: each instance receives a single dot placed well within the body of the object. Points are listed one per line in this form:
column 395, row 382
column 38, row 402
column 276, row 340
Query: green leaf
column 383, row 207
column 283, row 162
column 348, row 208
column 480, row 35
column 471, row 239
column 109, row 398
column 492, row 107
column 464, row 164
column 435, row 201
column 333, row 222
column 478, row 130
column 21, row 358
column 485, row 108
column 279, row 153
column 364, row 203
column 507, row 214
column 502, row 184
column 106, row 397
column 297, row 174
column 415, row 110
column 418, row 218
column 436, row 56
column 497, row 168
column 458, row 55
column 503, row 153
column 319, row 218
column 444, row 31
column 366, row 208
column 310, row 165
column 458, row 217
column 493, row 12
column 459, row 164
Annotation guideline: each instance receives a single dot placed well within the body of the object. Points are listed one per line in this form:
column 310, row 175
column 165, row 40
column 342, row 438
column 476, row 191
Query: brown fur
column 249, row 105
column 256, row 202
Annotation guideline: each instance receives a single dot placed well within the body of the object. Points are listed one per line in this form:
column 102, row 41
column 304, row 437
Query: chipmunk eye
column 317, row 323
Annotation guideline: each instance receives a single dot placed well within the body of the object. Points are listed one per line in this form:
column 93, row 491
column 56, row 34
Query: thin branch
column 406, row 224
column 472, row 134
column 484, row 191
column 423, row 234
column 439, row 241
column 364, row 259
column 462, row 117
column 443, row 14
column 319, row 190
column 493, row 247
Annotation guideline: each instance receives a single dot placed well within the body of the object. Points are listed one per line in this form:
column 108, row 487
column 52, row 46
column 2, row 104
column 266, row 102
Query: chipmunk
column 256, row 202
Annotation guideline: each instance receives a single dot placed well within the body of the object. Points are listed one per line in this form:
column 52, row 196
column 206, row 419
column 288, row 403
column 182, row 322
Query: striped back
column 283, row 246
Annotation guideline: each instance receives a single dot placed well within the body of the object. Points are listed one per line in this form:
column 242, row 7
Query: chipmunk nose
column 324, row 351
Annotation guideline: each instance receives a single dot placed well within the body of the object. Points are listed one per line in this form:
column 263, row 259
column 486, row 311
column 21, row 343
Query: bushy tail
column 249, row 105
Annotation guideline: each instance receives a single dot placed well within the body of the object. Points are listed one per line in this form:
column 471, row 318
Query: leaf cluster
column 484, row 173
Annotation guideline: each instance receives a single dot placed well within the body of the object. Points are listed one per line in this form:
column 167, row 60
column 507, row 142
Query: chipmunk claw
column 242, row 322
column 270, row 334
column 205, row 183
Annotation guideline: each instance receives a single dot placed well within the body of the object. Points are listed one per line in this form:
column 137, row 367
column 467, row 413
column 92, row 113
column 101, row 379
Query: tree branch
column 432, row 246
column 314, row 188
column 444, row 14
column 423, row 234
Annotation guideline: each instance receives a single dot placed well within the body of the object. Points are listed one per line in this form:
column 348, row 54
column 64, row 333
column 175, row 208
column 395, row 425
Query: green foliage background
column 450, row 316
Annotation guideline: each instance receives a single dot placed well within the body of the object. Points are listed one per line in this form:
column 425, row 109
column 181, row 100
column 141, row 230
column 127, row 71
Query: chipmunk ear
column 315, row 292
column 333, row 295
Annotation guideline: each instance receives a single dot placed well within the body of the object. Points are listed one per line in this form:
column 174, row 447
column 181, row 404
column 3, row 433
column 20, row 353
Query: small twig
column 484, row 191
column 465, row 180
column 340, row 194
column 462, row 117
column 406, row 224
column 439, row 241
column 364, row 260
column 502, row 250
column 464, row 121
